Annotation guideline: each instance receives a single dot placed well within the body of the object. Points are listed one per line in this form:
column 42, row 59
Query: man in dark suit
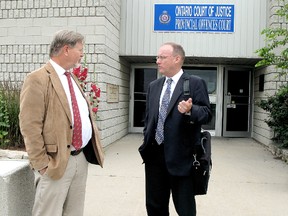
column 171, row 133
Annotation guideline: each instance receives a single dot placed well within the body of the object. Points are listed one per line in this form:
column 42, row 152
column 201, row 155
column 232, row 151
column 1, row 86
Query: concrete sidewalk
column 246, row 180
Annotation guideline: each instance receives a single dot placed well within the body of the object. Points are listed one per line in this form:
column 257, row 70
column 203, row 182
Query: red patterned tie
column 77, row 131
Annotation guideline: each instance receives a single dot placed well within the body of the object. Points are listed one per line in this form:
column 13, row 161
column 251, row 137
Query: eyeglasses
column 161, row 57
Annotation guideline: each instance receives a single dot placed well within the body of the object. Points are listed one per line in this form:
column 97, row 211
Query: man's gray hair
column 177, row 49
column 62, row 38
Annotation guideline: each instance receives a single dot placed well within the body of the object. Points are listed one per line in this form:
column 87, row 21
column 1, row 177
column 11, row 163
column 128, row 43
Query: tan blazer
column 46, row 123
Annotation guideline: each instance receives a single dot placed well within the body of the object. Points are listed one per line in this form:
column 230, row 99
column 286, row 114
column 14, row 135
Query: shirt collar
column 176, row 77
column 59, row 70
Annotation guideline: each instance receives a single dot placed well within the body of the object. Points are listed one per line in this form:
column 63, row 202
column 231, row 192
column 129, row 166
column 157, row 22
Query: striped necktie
column 159, row 136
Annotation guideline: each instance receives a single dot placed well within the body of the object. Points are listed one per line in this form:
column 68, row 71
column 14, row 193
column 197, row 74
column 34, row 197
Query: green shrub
column 10, row 94
column 277, row 106
column 276, row 50
column 4, row 121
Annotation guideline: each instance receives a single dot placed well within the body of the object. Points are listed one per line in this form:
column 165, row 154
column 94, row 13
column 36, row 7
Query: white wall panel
column 138, row 37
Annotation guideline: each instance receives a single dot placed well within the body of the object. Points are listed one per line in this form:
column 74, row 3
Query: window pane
column 139, row 113
column 143, row 76
column 209, row 74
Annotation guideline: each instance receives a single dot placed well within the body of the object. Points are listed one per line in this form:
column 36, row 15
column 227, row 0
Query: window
column 143, row 76
column 209, row 74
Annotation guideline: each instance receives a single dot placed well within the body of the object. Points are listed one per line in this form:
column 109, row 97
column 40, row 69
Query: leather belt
column 76, row 152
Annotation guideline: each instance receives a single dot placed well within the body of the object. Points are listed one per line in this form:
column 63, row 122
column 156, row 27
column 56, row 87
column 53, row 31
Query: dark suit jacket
column 181, row 132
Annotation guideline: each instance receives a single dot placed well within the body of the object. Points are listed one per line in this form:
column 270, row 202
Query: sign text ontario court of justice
column 194, row 17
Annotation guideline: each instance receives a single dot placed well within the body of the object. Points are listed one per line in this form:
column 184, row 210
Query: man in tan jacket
column 47, row 124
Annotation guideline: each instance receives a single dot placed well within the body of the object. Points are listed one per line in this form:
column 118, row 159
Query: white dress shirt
column 174, row 82
column 82, row 104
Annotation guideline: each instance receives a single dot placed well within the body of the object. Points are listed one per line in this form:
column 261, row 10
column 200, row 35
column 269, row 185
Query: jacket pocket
column 51, row 148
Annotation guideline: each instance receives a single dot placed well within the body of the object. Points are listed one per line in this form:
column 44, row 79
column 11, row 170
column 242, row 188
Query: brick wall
column 27, row 28
column 272, row 82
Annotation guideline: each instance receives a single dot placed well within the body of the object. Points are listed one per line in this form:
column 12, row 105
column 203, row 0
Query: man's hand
column 185, row 106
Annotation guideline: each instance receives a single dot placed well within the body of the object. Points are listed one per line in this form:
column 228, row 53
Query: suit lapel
column 178, row 91
column 57, row 85
column 156, row 95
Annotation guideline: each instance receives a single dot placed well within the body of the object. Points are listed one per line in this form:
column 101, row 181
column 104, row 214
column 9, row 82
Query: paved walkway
column 246, row 180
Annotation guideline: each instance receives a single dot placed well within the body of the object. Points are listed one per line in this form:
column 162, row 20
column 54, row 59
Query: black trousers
column 160, row 184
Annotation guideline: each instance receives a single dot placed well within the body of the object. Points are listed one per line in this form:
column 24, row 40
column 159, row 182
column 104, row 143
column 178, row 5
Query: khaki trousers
column 64, row 196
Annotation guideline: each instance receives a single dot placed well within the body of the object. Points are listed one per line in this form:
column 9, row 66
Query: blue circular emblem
column 164, row 17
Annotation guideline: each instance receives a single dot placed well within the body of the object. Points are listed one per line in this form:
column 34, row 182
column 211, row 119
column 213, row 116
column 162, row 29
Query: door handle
column 228, row 98
column 230, row 104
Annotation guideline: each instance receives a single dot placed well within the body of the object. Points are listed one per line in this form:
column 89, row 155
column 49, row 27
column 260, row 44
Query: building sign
column 112, row 93
column 194, row 17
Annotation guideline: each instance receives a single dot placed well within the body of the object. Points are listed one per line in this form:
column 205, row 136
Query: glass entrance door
column 141, row 78
column 237, row 91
